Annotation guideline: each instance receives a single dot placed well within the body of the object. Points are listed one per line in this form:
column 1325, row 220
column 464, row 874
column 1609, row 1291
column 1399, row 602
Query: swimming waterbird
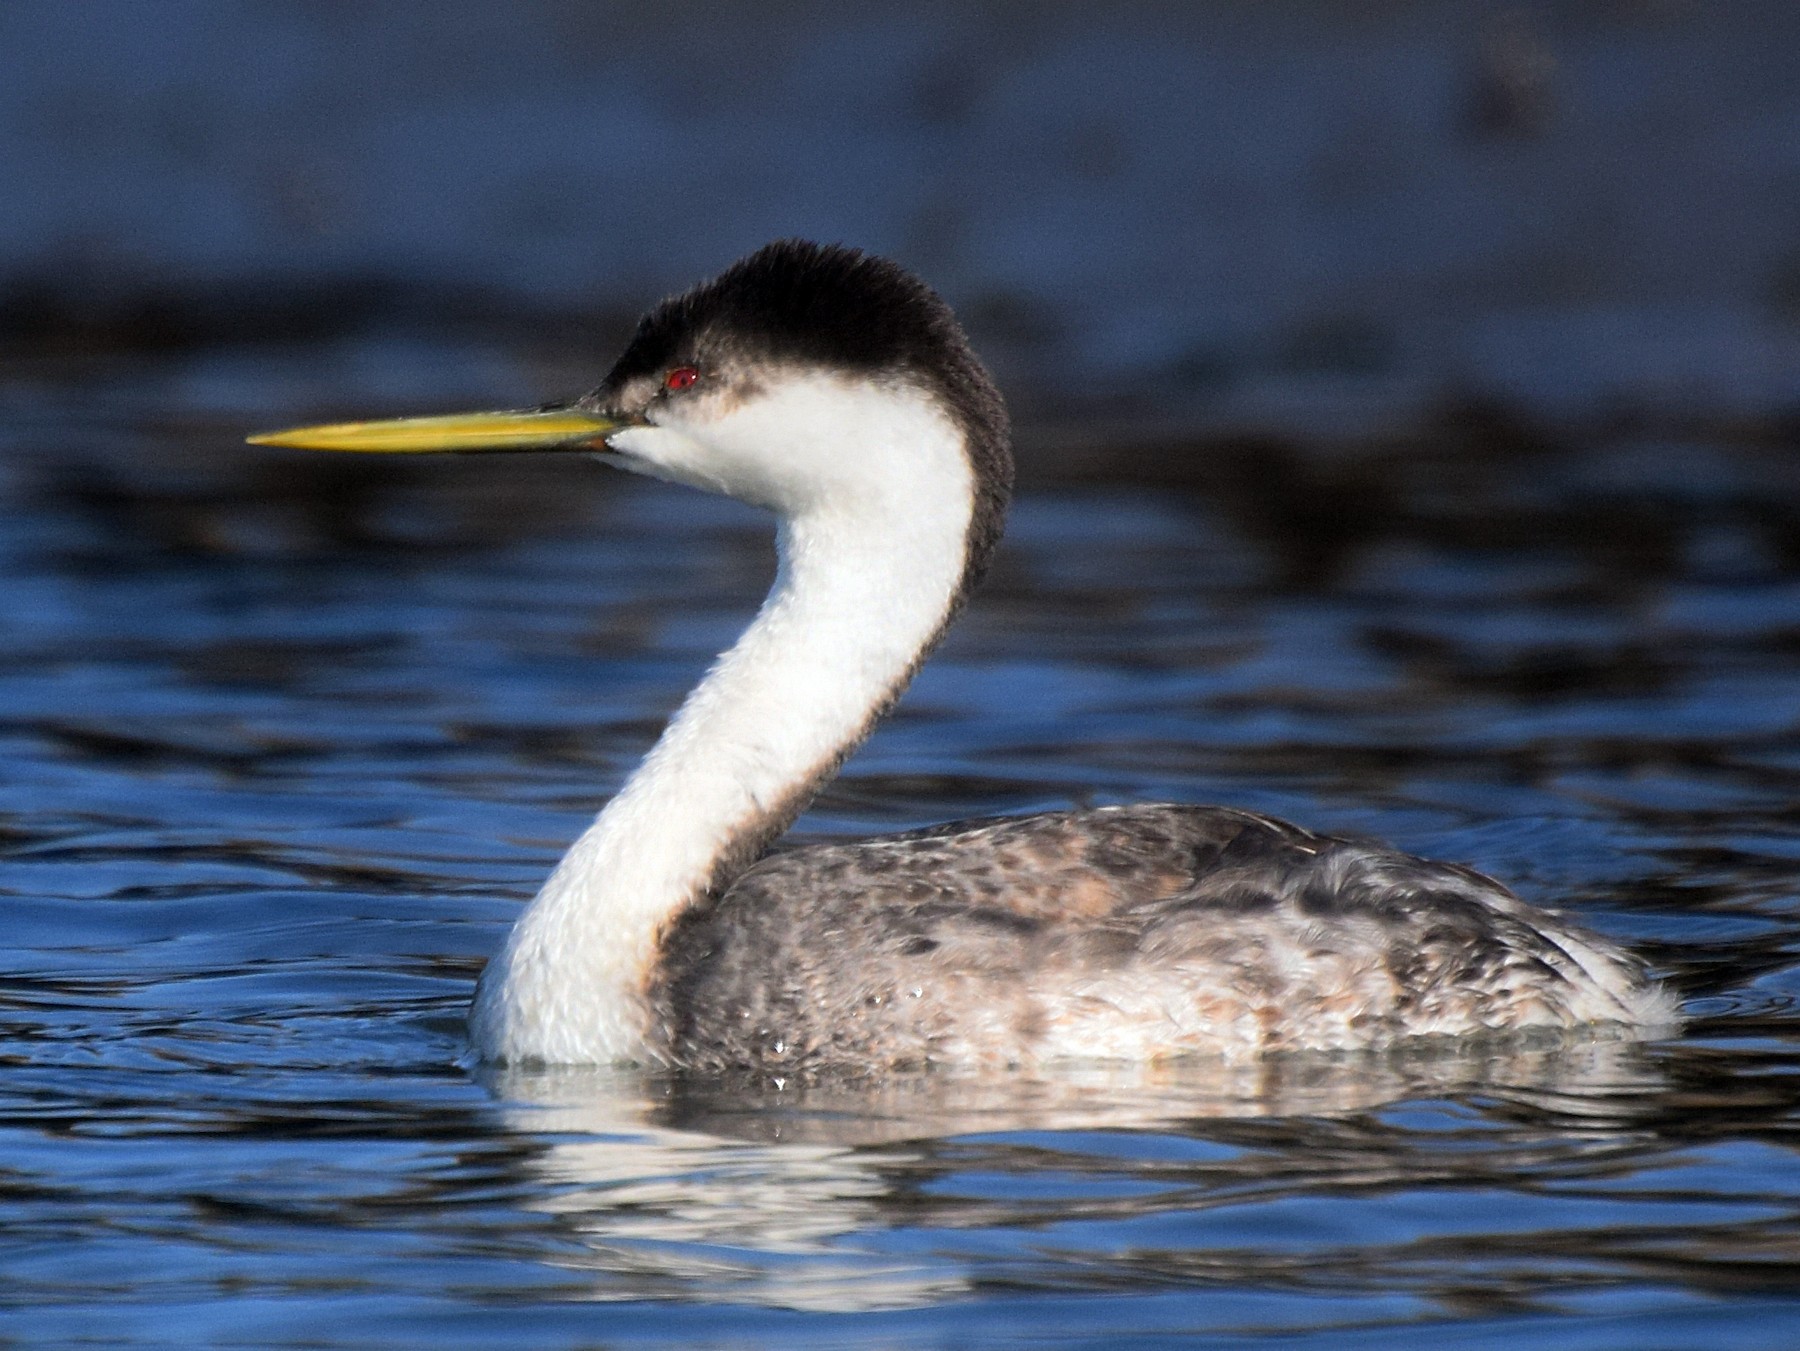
column 838, row 391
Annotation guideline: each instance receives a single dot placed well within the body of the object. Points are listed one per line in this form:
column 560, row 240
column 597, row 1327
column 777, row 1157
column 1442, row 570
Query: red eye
column 681, row 377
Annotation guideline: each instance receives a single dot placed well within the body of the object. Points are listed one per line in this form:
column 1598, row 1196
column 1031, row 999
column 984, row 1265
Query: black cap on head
column 837, row 309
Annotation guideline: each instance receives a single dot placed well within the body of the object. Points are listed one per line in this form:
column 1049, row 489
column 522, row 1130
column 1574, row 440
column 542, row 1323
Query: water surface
column 289, row 739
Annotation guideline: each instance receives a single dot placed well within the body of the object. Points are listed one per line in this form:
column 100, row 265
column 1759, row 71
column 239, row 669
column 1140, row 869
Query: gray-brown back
column 1131, row 931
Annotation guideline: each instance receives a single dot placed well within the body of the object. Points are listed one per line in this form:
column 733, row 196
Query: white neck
column 870, row 563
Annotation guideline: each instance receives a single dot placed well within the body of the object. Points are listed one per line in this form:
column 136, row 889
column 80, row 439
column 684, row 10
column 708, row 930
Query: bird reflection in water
column 767, row 1191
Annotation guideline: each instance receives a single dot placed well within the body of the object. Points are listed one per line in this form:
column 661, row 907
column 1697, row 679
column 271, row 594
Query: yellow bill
column 547, row 429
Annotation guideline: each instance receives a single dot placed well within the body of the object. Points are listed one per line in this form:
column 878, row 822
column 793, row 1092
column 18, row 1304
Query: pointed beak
column 532, row 429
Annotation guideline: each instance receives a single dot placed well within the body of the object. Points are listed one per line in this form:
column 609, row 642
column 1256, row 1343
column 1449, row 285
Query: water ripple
column 287, row 741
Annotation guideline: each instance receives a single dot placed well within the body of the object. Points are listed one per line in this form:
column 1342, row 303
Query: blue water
column 288, row 740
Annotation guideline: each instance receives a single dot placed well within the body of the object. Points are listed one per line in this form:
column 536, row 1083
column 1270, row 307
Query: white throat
column 876, row 494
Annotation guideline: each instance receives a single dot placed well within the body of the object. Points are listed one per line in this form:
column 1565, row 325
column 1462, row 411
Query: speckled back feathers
column 1128, row 932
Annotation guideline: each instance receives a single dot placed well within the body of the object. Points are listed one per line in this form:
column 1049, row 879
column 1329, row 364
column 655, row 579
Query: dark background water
column 1408, row 447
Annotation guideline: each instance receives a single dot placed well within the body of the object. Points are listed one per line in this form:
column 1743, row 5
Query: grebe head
column 803, row 377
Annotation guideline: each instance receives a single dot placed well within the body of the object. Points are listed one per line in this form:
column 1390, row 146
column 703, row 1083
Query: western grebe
column 838, row 391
